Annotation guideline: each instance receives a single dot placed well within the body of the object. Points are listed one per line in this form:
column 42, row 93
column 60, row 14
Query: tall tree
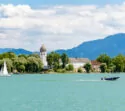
column 53, row 60
column 64, row 59
column 88, row 67
column 50, row 60
column 103, row 67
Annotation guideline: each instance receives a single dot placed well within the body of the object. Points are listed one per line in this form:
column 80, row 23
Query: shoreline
column 67, row 73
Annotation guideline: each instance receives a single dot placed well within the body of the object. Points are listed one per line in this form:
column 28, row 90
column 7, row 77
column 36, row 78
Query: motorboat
column 110, row 78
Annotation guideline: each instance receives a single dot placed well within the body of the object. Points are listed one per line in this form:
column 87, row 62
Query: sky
column 58, row 24
column 60, row 2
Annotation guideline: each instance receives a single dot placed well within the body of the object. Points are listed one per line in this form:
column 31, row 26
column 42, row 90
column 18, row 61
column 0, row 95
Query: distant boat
column 4, row 71
column 110, row 78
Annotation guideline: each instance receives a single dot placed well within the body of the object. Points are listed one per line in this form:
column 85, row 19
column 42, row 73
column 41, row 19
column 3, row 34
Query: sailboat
column 4, row 71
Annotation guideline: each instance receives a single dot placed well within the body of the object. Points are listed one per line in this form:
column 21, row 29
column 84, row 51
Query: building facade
column 95, row 66
column 79, row 63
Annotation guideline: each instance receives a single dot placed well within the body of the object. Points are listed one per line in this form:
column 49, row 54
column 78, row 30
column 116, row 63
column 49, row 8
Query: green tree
column 9, row 55
column 119, row 62
column 53, row 60
column 56, row 61
column 34, row 55
column 88, row 67
column 112, row 67
column 33, row 64
column 40, row 64
column 104, row 58
column 50, row 60
column 69, row 67
column 22, row 55
column 64, row 59
column 80, row 70
column 103, row 67
column 20, row 61
column 21, row 68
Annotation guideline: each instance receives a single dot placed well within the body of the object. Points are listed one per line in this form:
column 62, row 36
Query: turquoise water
column 61, row 92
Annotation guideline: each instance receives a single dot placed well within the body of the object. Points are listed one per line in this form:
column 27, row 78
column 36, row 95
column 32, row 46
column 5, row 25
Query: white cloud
column 64, row 26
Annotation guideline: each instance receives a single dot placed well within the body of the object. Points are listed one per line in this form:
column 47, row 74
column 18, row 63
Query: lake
column 62, row 92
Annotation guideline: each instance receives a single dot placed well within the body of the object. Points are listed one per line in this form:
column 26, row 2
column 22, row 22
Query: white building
column 43, row 56
column 79, row 62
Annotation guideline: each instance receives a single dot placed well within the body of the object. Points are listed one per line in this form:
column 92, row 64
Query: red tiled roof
column 94, row 62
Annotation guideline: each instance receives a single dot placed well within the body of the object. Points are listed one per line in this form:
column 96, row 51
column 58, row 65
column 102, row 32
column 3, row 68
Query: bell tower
column 43, row 56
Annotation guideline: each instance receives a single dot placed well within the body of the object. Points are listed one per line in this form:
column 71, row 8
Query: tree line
column 115, row 64
column 21, row 63
column 58, row 63
column 33, row 64
column 108, row 64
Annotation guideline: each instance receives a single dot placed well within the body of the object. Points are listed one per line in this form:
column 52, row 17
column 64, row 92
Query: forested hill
column 111, row 45
column 16, row 51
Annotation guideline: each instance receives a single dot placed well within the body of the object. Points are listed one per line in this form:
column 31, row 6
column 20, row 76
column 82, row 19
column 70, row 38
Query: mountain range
column 111, row 45
column 16, row 51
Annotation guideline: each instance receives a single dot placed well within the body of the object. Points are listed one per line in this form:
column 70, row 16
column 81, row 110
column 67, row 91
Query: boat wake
column 81, row 80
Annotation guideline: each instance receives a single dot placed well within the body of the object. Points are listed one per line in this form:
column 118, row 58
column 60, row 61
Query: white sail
column 4, row 71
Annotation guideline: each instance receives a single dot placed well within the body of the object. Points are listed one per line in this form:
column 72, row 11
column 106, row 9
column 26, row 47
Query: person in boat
column 103, row 78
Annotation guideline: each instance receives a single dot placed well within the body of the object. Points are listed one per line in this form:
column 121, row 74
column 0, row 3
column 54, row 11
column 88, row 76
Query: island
column 54, row 62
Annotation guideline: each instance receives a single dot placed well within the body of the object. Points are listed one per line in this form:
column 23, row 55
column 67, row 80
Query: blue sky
column 60, row 2
column 58, row 24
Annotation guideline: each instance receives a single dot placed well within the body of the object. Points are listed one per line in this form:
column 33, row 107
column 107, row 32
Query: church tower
column 43, row 56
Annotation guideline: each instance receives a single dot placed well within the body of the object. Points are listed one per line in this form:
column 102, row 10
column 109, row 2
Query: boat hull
column 110, row 78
